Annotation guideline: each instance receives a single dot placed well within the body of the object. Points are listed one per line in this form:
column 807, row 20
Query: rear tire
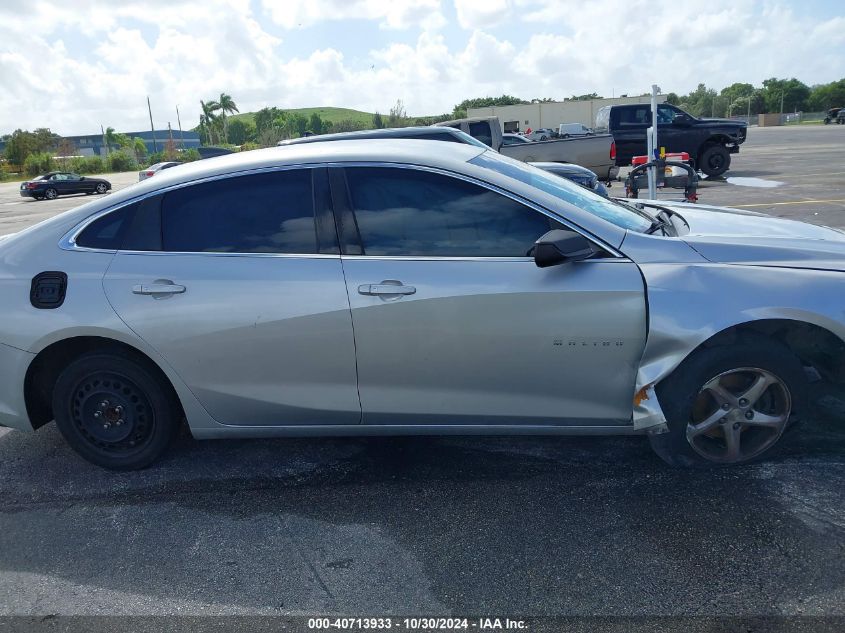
column 51, row 194
column 724, row 422
column 714, row 160
column 115, row 411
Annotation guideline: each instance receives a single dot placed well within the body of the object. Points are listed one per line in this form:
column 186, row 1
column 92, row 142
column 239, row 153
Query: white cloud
column 481, row 14
column 395, row 14
column 95, row 64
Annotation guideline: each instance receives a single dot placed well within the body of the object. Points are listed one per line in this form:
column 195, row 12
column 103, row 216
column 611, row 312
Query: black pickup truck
column 709, row 142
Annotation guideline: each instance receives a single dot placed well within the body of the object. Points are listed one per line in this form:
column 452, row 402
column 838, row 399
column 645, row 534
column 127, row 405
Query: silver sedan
column 408, row 287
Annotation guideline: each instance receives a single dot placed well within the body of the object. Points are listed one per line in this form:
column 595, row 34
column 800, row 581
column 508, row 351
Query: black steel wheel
column 729, row 404
column 115, row 411
column 714, row 160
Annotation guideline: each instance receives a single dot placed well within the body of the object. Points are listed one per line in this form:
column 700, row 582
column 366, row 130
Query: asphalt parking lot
column 488, row 526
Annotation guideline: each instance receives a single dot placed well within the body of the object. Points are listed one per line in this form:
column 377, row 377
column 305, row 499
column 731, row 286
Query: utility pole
column 651, row 143
column 104, row 138
column 179, row 121
column 152, row 127
column 170, row 133
column 749, row 109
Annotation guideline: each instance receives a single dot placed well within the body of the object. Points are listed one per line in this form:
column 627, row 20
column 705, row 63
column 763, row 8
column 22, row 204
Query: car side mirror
column 679, row 119
column 559, row 246
column 82, row 177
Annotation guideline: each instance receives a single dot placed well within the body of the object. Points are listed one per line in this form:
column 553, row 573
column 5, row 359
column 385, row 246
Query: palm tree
column 226, row 105
column 207, row 120
column 110, row 138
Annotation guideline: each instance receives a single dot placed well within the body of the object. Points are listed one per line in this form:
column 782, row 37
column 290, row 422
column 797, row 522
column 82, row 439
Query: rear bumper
column 13, row 365
column 27, row 193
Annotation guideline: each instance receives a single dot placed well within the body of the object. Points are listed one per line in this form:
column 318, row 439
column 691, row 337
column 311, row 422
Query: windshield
column 565, row 190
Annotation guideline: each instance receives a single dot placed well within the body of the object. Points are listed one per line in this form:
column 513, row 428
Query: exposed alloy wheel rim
column 738, row 415
column 50, row 194
column 101, row 188
column 112, row 414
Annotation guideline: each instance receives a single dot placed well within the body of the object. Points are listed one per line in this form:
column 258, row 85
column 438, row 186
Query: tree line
column 271, row 125
column 774, row 95
column 42, row 150
column 33, row 151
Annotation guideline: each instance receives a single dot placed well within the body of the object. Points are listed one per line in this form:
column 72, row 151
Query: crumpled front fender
column 690, row 303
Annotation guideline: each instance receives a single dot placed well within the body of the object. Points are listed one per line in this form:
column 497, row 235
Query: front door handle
column 158, row 288
column 388, row 287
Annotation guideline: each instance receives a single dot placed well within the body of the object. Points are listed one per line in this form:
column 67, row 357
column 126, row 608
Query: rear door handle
column 386, row 289
column 158, row 288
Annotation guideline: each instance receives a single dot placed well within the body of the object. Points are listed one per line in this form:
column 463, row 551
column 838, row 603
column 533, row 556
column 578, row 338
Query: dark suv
column 709, row 142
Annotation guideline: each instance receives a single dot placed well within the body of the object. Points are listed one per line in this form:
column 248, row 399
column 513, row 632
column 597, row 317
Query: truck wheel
column 827, row 120
column 714, row 160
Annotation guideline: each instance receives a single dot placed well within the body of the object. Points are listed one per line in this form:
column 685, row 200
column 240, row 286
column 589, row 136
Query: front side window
column 665, row 114
column 407, row 212
column 259, row 213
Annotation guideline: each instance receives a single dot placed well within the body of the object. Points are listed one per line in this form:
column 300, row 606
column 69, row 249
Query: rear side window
column 259, row 213
column 481, row 131
column 418, row 213
column 635, row 115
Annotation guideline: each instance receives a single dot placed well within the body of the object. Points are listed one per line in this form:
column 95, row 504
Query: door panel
column 243, row 293
column 496, row 341
column 260, row 340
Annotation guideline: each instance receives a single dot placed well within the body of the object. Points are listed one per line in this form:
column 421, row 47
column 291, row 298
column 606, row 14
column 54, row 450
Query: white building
column 518, row 118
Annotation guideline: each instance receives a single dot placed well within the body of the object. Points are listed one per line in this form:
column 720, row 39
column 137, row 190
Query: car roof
column 421, row 132
column 409, row 151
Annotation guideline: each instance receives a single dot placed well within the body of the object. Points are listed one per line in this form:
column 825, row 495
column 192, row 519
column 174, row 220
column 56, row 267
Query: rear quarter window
column 107, row 232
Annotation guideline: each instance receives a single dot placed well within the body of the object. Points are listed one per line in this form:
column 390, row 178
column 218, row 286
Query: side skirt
column 222, row 432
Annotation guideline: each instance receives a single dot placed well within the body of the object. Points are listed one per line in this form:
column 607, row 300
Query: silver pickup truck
column 596, row 153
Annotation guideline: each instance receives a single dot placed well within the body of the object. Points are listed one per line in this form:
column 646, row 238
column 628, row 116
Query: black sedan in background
column 60, row 183
column 581, row 175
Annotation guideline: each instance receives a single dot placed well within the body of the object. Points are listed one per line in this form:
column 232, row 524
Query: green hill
column 327, row 114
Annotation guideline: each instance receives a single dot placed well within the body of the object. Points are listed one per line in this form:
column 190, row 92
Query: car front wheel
column 714, row 160
column 101, row 188
column 729, row 404
column 115, row 411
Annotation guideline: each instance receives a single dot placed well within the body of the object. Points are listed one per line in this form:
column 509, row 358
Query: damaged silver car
column 408, row 287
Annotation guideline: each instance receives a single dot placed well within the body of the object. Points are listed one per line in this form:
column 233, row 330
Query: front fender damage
column 689, row 304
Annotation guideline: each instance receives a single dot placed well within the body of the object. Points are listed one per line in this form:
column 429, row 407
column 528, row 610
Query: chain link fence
column 797, row 118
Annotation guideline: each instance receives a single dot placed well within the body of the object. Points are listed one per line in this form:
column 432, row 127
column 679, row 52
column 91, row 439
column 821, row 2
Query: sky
column 74, row 65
